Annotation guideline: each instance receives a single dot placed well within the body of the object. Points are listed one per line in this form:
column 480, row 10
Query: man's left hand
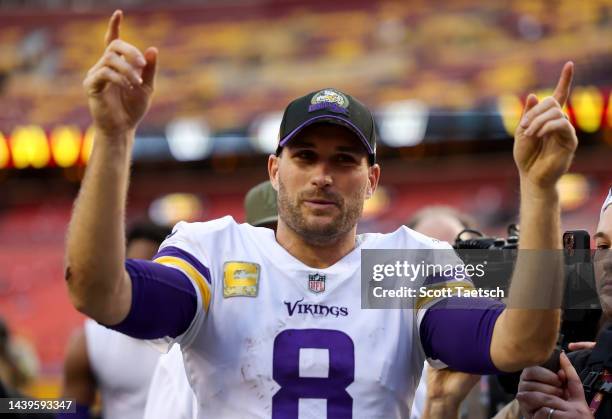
column 545, row 140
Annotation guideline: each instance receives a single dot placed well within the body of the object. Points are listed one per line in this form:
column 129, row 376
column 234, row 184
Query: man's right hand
column 120, row 85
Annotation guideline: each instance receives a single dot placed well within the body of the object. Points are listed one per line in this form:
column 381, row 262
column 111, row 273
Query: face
column 603, row 261
column 443, row 227
column 142, row 249
column 323, row 178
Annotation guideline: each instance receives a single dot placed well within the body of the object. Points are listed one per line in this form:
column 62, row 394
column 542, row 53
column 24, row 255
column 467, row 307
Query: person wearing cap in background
column 270, row 324
column 260, row 206
column 170, row 394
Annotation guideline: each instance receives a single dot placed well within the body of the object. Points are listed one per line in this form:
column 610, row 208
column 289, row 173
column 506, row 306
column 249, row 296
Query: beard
column 602, row 262
column 291, row 211
column 605, row 299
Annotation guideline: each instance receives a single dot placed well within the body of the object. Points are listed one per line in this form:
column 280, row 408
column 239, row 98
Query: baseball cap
column 330, row 106
column 260, row 205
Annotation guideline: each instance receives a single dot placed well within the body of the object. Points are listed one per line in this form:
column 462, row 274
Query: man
column 116, row 365
column 544, row 394
column 272, row 325
column 170, row 394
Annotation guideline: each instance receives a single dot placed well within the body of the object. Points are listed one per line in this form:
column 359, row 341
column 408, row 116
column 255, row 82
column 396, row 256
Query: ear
column 273, row 161
column 373, row 178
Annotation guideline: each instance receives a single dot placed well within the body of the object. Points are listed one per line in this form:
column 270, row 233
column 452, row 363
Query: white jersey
column 274, row 338
column 420, row 396
column 170, row 395
column 123, row 367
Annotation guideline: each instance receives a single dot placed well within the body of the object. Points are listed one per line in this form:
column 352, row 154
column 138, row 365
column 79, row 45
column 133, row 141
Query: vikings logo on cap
column 330, row 96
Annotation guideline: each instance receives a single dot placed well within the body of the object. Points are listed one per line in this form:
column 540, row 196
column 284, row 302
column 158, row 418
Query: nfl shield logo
column 316, row 283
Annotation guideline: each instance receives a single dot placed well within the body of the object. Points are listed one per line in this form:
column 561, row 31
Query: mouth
column 606, row 285
column 320, row 203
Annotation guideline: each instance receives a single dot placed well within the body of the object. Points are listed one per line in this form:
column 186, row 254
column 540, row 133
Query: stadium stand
column 235, row 61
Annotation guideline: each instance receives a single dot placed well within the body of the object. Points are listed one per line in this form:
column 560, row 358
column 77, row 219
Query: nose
column 321, row 176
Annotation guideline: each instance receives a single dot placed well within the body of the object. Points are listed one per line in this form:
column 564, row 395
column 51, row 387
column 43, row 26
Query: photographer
column 583, row 386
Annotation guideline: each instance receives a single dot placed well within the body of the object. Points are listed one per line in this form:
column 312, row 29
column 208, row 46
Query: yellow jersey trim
column 191, row 272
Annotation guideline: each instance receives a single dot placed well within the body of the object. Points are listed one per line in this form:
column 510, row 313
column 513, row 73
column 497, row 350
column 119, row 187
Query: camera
column 581, row 310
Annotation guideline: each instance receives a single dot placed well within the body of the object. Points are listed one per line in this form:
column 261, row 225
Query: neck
column 320, row 255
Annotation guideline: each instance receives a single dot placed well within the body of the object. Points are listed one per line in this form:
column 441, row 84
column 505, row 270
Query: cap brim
column 267, row 220
column 334, row 119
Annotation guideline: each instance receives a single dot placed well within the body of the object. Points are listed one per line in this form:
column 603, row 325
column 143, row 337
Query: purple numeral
column 286, row 372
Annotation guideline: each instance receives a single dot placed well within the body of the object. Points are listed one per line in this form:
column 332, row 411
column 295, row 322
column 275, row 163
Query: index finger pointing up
column 562, row 90
column 112, row 31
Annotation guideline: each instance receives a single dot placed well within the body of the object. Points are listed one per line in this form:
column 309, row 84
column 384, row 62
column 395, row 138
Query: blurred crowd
column 238, row 60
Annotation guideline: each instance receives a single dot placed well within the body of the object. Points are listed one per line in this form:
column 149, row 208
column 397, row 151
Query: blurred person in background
column 441, row 222
column 260, row 206
column 117, row 366
column 18, row 361
column 17, row 368
column 441, row 391
column 582, row 388
column 323, row 171
column 170, row 394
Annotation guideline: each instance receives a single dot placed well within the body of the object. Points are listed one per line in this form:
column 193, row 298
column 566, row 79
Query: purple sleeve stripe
column 458, row 332
column 187, row 257
column 191, row 272
column 164, row 301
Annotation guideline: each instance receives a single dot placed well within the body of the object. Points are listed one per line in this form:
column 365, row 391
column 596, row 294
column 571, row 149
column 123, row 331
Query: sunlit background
column 446, row 80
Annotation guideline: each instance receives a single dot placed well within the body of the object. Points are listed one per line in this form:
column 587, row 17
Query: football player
column 271, row 325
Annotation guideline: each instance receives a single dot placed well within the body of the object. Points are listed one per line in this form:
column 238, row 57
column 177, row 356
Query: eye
column 602, row 246
column 306, row 155
column 346, row 159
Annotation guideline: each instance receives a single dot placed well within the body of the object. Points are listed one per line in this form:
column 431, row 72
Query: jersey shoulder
column 199, row 238
column 202, row 230
column 406, row 238
column 214, row 234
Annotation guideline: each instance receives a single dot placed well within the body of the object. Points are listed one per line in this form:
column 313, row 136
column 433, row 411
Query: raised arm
column 525, row 333
column 119, row 88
